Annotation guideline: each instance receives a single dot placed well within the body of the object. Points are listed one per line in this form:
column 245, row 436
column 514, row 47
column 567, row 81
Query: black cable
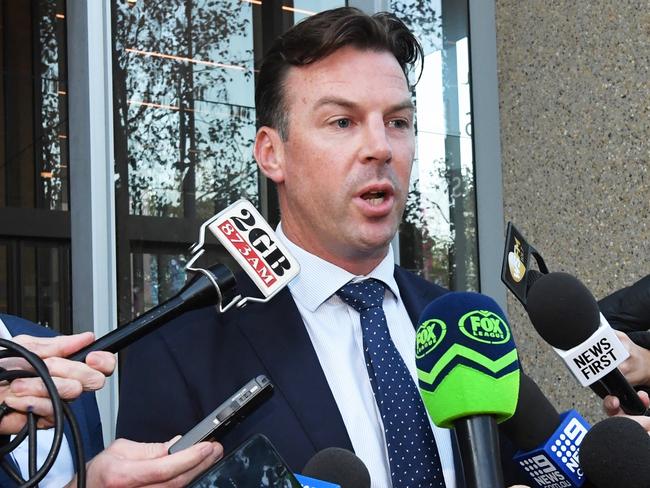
column 32, row 457
column 11, row 349
column 78, row 442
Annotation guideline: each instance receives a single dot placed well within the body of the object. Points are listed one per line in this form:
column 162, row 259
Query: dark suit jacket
column 84, row 408
column 173, row 378
column 628, row 310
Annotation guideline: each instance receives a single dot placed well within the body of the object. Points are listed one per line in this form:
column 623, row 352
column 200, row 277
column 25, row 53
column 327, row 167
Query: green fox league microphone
column 468, row 374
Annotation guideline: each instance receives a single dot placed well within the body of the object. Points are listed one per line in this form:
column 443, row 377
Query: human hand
column 71, row 378
column 612, row 407
column 636, row 368
column 128, row 464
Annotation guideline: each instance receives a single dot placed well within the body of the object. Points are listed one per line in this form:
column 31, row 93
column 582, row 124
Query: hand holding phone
column 245, row 400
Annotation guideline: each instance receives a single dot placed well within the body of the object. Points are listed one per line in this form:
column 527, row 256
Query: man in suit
column 126, row 463
column 336, row 136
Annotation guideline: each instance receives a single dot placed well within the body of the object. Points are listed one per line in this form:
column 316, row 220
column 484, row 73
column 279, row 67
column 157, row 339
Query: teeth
column 374, row 197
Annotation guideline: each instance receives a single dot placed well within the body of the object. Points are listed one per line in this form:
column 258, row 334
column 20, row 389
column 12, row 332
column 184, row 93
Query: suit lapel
column 277, row 333
column 416, row 293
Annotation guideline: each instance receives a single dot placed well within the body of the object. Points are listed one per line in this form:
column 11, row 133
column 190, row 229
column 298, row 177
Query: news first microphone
column 548, row 442
column 566, row 315
column 245, row 234
column 616, row 454
column 468, row 374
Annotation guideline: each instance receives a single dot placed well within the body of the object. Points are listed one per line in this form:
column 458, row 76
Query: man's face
column 343, row 173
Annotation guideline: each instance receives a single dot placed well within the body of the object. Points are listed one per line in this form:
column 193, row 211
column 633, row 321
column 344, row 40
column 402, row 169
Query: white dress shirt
column 63, row 468
column 335, row 332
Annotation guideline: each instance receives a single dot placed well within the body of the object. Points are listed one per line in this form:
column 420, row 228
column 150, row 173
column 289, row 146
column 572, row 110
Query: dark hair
column 319, row 36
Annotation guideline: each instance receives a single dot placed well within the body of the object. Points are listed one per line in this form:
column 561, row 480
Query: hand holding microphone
column 70, row 377
column 636, row 368
column 566, row 315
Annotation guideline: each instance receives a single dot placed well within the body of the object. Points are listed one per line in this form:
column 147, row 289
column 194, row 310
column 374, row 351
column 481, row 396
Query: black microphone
column 244, row 233
column 201, row 291
column 566, row 315
column 615, row 453
column 338, row 466
column 548, row 442
column 535, row 418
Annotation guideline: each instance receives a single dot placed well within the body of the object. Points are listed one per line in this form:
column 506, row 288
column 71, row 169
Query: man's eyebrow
column 345, row 103
column 341, row 102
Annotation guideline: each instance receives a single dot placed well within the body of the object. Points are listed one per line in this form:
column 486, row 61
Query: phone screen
column 253, row 463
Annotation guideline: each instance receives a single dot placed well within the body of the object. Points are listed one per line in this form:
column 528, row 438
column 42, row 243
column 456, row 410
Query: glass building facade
column 126, row 124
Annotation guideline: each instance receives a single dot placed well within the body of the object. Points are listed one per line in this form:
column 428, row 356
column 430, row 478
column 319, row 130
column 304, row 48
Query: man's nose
column 376, row 145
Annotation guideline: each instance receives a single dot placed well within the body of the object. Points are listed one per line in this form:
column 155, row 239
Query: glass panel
column 33, row 105
column 156, row 278
column 438, row 237
column 304, row 8
column 184, row 95
column 158, row 274
column 44, row 290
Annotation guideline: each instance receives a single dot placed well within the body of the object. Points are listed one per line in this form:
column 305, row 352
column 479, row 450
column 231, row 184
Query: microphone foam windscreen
column 615, row 453
column 534, row 420
column 466, row 359
column 562, row 310
column 338, row 466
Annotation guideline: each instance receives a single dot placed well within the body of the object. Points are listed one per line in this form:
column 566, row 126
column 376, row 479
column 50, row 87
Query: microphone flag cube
column 308, row 482
column 555, row 464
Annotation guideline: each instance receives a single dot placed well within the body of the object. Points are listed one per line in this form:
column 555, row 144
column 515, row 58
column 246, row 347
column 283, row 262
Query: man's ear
column 269, row 153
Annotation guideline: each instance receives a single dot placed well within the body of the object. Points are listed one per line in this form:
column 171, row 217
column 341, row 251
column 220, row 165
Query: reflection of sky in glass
column 433, row 128
column 302, row 7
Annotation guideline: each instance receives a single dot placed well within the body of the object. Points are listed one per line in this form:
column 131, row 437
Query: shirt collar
column 318, row 279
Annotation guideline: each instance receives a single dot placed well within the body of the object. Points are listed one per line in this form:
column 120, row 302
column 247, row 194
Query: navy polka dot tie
column 412, row 451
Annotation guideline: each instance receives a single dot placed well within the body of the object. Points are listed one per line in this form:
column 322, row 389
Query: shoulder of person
column 17, row 325
column 402, row 275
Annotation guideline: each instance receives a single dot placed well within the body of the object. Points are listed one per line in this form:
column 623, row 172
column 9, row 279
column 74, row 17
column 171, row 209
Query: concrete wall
column 574, row 90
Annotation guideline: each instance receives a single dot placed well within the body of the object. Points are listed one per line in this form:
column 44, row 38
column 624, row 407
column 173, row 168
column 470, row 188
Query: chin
column 376, row 243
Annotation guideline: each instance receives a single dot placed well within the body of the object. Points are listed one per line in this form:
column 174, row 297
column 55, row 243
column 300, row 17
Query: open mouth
column 374, row 197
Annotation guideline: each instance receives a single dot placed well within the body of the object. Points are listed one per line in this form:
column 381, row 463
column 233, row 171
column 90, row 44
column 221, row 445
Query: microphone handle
column 478, row 442
column 197, row 293
column 123, row 336
column 618, row 386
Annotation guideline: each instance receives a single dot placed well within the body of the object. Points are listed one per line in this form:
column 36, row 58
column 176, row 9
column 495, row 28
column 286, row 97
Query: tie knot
column 363, row 295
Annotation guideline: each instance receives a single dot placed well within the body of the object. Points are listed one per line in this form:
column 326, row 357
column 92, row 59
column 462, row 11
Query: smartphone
column 253, row 463
column 246, row 399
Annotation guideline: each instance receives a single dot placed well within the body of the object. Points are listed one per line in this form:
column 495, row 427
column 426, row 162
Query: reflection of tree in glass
column 52, row 106
column 421, row 19
column 186, row 141
column 436, row 253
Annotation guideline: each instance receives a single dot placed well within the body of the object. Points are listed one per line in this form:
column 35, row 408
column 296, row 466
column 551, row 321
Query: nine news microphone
column 565, row 314
column 244, row 233
column 616, row 454
column 338, row 466
column 468, row 373
column 548, row 442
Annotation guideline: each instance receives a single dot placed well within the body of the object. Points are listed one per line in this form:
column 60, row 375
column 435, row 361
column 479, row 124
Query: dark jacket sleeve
column 628, row 310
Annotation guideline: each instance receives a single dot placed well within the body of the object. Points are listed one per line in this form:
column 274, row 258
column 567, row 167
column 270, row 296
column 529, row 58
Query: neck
column 360, row 263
